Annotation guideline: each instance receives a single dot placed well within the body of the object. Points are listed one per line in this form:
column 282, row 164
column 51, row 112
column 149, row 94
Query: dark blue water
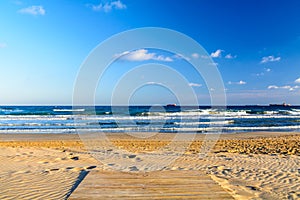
column 203, row 119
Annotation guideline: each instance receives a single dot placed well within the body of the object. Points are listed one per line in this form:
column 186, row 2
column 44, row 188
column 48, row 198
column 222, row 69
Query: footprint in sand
column 54, row 169
column 133, row 169
column 76, row 169
column 90, row 167
column 252, row 188
column 131, row 156
column 138, row 159
column 68, row 168
column 74, row 157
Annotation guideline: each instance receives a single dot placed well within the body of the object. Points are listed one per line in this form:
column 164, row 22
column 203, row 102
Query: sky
column 254, row 44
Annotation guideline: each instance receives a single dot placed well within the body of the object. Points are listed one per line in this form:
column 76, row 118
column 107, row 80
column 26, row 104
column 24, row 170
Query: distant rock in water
column 171, row 105
column 280, row 105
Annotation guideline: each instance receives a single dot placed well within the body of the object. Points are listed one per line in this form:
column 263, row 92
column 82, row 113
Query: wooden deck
column 152, row 185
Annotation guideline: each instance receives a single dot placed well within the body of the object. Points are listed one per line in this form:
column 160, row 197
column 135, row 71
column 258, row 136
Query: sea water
column 169, row 119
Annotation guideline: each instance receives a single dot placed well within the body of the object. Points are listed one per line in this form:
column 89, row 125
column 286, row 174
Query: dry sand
column 245, row 165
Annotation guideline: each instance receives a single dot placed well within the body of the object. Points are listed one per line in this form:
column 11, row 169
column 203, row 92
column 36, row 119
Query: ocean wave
column 35, row 117
column 69, row 110
column 78, row 118
column 150, row 129
column 66, row 119
column 205, row 123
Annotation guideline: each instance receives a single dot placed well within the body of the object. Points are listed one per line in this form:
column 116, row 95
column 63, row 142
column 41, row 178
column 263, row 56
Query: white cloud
column 260, row 74
column 267, row 69
column 297, row 80
column 273, row 87
column 195, row 85
column 285, row 87
column 237, row 83
column 229, row 56
column 109, row 6
column 180, row 56
column 33, row 10
column 270, row 59
column 143, row 55
column 2, row 45
column 162, row 58
column 195, row 55
column 216, row 54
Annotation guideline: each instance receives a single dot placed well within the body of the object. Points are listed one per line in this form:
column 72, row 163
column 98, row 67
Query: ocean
column 169, row 119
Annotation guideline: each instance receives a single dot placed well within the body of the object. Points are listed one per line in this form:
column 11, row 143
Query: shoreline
column 74, row 136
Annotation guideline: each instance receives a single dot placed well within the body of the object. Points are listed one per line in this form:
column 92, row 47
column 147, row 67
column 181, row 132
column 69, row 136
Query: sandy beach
column 258, row 165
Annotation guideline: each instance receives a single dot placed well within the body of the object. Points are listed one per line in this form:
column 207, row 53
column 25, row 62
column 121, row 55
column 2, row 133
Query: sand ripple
column 247, row 168
column 31, row 173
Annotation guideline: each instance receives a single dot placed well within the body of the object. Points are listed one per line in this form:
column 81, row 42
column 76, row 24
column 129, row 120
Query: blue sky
column 255, row 44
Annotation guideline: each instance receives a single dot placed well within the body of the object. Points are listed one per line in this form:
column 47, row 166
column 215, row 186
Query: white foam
column 205, row 123
column 69, row 110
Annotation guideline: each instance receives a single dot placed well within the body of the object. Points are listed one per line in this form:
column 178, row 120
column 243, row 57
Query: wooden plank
column 154, row 185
